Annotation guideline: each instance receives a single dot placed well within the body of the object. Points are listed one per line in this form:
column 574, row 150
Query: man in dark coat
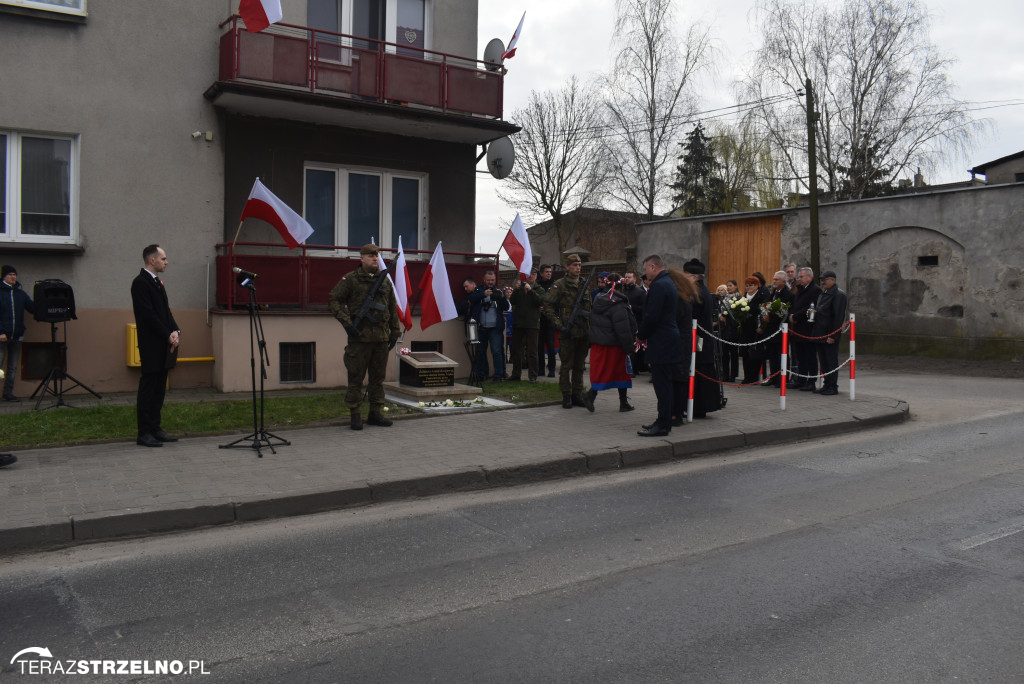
column 806, row 295
column 526, row 303
column 770, row 324
column 828, row 324
column 637, row 295
column 664, row 348
column 14, row 301
column 158, row 336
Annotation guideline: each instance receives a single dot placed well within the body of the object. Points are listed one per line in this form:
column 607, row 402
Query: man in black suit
column 158, row 336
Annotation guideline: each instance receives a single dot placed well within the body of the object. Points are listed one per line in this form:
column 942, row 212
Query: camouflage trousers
column 362, row 358
column 573, row 353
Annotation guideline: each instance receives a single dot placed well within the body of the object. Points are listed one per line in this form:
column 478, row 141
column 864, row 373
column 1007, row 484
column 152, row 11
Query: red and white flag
column 265, row 205
column 510, row 51
column 517, row 246
column 400, row 284
column 436, row 302
column 259, row 14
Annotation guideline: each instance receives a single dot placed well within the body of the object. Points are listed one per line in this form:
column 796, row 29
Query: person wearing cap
column 158, row 337
column 573, row 341
column 828, row 323
column 366, row 354
column 13, row 303
column 526, row 303
column 546, row 333
column 708, row 395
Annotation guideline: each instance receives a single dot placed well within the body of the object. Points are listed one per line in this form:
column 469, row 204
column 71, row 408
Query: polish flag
column 265, row 205
column 259, row 14
column 517, row 246
column 510, row 51
column 436, row 303
column 402, row 289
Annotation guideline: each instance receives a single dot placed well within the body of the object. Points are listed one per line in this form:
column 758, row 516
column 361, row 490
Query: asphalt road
column 894, row 555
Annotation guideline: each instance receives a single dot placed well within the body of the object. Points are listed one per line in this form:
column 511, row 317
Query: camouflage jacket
column 561, row 299
column 347, row 297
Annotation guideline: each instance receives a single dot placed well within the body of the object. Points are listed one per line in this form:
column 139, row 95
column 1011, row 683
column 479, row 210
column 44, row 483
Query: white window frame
column 79, row 11
column 387, row 176
column 12, row 232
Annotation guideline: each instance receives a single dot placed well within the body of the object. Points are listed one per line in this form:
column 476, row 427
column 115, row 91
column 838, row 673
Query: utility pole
column 812, row 181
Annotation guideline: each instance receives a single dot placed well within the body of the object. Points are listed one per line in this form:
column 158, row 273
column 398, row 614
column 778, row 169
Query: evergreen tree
column 699, row 188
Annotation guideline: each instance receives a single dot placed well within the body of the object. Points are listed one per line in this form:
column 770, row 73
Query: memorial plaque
column 426, row 369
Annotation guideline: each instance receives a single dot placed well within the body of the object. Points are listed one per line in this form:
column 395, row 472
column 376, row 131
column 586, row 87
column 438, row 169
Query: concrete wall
column 231, row 345
column 935, row 273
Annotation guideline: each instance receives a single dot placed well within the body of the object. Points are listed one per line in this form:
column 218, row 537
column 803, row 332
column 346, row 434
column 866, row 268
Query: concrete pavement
column 60, row 496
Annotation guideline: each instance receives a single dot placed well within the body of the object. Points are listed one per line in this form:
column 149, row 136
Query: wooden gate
column 738, row 248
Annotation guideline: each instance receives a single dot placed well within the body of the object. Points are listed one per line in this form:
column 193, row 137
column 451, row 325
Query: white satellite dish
column 492, row 54
column 501, row 157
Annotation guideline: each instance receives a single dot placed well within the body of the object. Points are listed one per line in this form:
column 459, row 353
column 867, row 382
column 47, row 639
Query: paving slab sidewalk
column 60, row 496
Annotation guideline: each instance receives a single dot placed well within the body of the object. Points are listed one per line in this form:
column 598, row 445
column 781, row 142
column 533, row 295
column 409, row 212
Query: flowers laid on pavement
column 449, row 403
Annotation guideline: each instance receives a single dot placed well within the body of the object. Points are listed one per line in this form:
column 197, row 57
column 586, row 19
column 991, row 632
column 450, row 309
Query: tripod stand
column 259, row 437
column 58, row 372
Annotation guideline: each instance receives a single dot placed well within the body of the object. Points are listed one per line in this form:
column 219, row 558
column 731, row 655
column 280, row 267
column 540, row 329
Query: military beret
column 368, row 249
column 693, row 266
column 573, row 259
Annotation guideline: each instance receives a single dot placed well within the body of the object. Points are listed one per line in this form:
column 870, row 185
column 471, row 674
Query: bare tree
column 753, row 173
column 650, row 97
column 881, row 89
column 558, row 165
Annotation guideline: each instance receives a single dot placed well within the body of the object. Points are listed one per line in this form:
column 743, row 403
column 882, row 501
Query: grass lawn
column 67, row 426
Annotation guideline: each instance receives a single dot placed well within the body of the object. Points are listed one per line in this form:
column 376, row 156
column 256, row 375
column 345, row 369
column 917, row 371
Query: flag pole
column 237, row 233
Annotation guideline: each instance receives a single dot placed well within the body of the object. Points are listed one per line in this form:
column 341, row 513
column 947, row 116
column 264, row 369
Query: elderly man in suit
column 158, row 336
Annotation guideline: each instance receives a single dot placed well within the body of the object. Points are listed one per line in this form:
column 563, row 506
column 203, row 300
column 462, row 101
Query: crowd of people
column 637, row 322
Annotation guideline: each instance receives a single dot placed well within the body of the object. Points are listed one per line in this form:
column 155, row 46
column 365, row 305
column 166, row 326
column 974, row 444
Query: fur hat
column 694, row 266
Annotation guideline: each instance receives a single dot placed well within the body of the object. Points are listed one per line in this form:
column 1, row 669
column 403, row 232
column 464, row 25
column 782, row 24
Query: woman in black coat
column 753, row 356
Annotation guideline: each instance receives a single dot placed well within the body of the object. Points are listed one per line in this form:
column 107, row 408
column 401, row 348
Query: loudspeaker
column 54, row 301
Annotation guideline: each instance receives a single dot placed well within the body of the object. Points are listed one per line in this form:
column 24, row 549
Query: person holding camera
column 488, row 304
column 13, row 303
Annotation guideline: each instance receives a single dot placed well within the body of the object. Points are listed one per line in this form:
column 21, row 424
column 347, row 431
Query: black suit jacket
column 153, row 321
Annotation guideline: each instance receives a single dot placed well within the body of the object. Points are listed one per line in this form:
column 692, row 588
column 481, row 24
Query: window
column 298, row 361
column 931, row 260
column 76, row 7
column 38, row 187
column 354, row 206
column 394, row 21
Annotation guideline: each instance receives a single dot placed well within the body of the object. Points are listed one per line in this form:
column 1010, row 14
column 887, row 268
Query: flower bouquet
column 740, row 309
column 777, row 308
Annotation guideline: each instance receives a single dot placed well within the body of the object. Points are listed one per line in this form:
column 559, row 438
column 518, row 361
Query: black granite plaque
column 426, row 377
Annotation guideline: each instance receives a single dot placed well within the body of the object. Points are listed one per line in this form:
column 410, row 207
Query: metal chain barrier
column 840, row 331
column 738, row 344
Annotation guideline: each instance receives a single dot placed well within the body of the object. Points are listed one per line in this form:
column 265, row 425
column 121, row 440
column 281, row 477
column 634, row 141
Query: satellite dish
column 492, row 54
column 501, row 157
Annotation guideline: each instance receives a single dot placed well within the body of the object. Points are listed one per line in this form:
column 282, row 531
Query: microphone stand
column 259, row 437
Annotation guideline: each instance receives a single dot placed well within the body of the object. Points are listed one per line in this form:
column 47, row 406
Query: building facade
column 126, row 123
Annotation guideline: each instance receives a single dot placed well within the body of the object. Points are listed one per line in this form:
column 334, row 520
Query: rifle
column 368, row 304
column 584, row 292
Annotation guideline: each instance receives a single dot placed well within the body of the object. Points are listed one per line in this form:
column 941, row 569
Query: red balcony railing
column 297, row 280
column 328, row 63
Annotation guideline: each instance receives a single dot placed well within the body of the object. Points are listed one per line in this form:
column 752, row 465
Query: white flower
column 449, row 402
column 385, row 408
column 422, row 404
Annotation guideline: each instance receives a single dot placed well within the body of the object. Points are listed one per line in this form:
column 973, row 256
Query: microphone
column 245, row 274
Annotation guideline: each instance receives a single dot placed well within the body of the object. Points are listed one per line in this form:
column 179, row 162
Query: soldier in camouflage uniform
column 368, row 346
column 574, row 344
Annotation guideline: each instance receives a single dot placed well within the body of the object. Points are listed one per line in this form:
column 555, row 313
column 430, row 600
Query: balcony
column 301, row 280
column 298, row 73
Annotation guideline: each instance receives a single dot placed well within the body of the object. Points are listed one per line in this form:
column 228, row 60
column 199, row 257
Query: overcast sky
column 565, row 37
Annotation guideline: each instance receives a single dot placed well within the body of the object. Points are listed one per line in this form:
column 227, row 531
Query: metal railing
column 337, row 64
column 297, row 280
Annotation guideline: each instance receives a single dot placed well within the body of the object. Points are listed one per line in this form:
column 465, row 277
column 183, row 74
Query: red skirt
column 609, row 368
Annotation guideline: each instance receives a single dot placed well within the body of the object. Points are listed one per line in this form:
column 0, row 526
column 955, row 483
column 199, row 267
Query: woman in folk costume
column 684, row 319
column 612, row 336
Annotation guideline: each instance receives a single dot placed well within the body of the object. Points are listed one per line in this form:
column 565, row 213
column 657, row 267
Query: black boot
column 588, row 399
column 566, row 400
column 577, row 400
column 355, row 420
column 624, row 404
column 376, row 418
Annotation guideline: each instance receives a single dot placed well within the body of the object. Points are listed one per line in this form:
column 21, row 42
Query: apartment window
column 74, row 7
column 38, row 182
column 394, row 21
column 298, row 361
column 354, row 206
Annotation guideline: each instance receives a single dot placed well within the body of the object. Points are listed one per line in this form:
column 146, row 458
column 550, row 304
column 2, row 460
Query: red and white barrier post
column 693, row 371
column 782, row 372
column 853, row 357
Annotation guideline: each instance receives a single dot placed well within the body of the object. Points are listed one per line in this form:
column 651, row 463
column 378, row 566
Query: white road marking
column 979, row 539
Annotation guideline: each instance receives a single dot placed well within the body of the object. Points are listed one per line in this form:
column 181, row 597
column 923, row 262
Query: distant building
column 607, row 236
